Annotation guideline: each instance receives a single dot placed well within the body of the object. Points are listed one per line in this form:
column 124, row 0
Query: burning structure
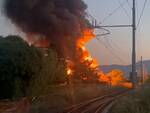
column 63, row 25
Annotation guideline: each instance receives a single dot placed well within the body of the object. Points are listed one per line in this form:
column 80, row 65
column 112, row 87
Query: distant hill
column 125, row 68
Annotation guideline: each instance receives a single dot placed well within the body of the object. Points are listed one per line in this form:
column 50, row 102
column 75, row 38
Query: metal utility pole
column 134, row 73
column 142, row 71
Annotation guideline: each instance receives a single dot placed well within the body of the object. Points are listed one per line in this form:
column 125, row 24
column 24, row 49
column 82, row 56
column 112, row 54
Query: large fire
column 69, row 71
column 114, row 78
column 60, row 26
column 87, row 35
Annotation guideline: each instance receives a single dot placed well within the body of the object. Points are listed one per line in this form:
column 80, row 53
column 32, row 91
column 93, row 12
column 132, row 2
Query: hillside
column 126, row 68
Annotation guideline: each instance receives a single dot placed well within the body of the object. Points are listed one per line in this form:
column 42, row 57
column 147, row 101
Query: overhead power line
column 114, row 11
column 139, row 21
column 142, row 12
column 117, row 48
column 123, row 9
column 110, row 50
column 129, row 4
column 107, row 32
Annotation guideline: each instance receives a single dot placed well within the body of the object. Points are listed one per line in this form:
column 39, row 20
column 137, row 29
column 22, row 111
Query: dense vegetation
column 135, row 102
column 26, row 70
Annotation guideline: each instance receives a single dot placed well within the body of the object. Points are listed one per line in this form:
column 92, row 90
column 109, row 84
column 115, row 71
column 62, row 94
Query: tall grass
column 60, row 97
column 135, row 102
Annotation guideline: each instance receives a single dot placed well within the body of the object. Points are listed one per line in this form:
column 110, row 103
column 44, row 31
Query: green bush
column 26, row 70
column 18, row 62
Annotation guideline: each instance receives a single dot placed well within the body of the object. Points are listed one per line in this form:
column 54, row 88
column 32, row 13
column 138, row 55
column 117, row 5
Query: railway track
column 96, row 105
column 21, row 106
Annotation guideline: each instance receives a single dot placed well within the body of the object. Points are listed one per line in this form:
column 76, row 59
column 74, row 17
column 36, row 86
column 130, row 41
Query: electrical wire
column 107, row 32
column 113, row 49
column 142, row 12
column 123, row 9
column 91, row 17
column 116, row 48
column 139, row 44
column 114, row 55
column 113, row 12
column 129, row 4
column 121, row 5
column 137, row 9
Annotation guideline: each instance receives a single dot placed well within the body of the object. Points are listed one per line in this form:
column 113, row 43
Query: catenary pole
column 134, row 73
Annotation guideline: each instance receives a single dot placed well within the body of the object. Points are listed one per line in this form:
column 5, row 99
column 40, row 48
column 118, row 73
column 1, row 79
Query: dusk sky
column 116, row 47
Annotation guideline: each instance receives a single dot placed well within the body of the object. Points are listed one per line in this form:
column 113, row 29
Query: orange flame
column 69, row 71
column 115, row 77
column 87, row 35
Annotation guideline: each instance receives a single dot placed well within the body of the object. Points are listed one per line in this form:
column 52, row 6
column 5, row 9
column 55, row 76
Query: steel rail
column 102, row 103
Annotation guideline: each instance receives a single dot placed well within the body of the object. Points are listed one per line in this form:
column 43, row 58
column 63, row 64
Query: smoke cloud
column 60, row 21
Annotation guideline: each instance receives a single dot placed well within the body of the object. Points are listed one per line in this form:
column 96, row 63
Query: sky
column 116, row 47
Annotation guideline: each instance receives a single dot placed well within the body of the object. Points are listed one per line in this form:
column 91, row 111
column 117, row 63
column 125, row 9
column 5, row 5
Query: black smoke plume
column 60, row 21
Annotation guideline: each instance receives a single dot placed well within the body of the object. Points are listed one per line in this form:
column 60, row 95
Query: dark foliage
column 24, row 68
column 18, row 63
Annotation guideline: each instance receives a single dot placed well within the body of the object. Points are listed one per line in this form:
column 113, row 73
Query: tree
column 18, row 63
column 53, row 72
column 26, row 70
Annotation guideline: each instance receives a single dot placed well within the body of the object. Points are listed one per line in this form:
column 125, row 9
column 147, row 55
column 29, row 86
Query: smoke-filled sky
column 114, row 48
